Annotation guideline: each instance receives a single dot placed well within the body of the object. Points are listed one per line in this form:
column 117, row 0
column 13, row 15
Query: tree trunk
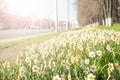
column 103, row 22
column 107, row 12
column 106, row 21
column 109, row 21
column 110, row 13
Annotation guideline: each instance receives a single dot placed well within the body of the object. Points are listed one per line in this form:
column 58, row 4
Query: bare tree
column 97, row 12
column 88, row 12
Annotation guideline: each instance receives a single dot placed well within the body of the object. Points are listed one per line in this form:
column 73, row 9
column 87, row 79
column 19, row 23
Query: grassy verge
column 77, row 55
column 23, row 42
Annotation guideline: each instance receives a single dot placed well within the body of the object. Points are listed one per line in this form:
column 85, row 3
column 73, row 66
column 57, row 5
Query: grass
column 29, row 41
column 10, row 50
column 74, row 55
column 39, row 39
column 33, row 40
column 115, row 27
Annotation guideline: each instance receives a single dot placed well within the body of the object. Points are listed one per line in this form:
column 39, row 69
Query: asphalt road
column 8, row 35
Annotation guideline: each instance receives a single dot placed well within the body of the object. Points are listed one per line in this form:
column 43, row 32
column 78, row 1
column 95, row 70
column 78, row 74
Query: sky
column 42, row 9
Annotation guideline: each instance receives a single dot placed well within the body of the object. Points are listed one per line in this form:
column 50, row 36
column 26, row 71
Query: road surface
column 8, row 35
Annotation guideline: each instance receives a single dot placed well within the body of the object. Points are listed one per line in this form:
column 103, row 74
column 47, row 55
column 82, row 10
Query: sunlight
column 33, row 8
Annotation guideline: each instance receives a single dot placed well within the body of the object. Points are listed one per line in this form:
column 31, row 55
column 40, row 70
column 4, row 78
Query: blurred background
column 36, row 14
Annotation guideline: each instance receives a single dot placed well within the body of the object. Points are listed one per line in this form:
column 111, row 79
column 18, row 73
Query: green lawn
column 115, row 27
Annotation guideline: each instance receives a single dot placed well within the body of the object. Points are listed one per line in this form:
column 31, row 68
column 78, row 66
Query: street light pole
column 67, row 19
column 56, row 16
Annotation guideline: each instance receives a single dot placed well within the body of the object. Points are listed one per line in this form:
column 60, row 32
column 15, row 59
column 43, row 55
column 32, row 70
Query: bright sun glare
column 33, row 8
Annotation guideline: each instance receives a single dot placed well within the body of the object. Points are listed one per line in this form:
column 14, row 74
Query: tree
column 88, row 11
column 107, row 11
column 97, row 12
